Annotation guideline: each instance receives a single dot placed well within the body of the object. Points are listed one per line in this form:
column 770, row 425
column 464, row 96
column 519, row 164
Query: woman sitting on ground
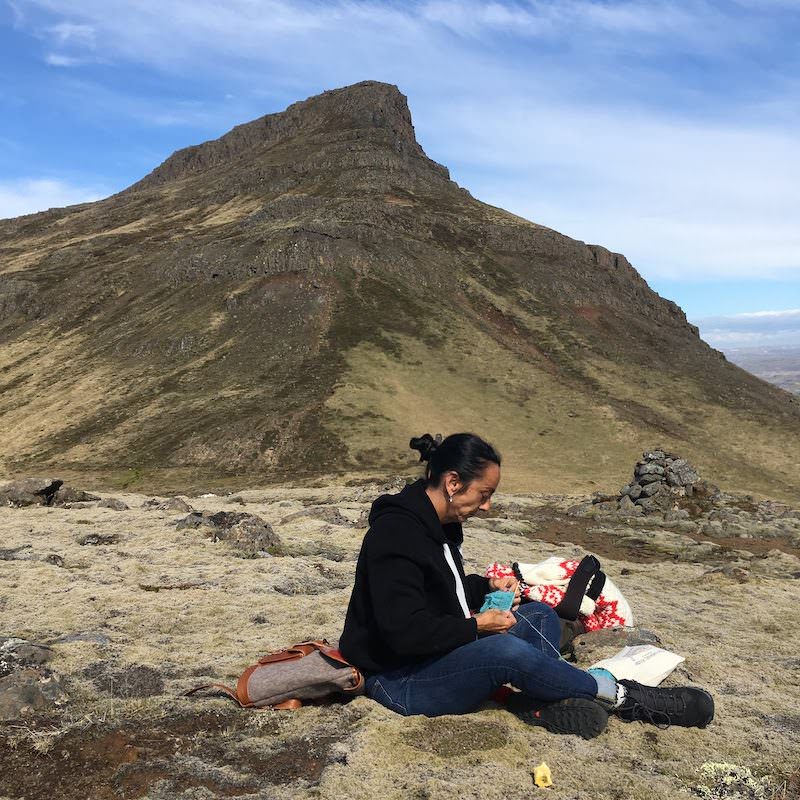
column 413, row 630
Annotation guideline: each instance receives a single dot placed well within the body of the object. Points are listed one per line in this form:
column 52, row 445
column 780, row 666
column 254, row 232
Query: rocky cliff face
column 304, row 293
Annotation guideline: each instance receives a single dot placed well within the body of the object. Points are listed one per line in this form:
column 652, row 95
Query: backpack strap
column 220, row 687
column 570, row 604
column 596, row 586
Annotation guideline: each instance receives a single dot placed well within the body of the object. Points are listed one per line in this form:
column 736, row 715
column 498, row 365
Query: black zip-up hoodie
column 404, row 608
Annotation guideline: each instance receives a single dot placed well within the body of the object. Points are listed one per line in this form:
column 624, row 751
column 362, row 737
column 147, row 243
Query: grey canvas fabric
column 309, row 678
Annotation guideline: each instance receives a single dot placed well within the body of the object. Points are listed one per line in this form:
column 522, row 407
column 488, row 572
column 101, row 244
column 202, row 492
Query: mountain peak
column 365, row 107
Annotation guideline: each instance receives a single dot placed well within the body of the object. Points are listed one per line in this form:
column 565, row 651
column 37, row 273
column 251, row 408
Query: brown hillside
column 301, row 295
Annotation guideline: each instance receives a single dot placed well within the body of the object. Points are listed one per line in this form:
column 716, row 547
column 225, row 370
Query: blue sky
column 667, row 131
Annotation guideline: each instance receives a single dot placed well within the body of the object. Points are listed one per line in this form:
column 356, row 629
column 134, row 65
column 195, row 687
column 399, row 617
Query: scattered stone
column 17, row 553
column 170, row 504
column 247, row 533
column 54, row 559
column 113, row 503
column 259, row 619
column 97, row 539
column 236, row 499
column 251, row 536
column 18, row 653
column 628, row 507
column 29, row 691
column 94, row 637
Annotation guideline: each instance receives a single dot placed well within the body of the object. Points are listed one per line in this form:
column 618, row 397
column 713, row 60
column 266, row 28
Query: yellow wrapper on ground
column 542, row 777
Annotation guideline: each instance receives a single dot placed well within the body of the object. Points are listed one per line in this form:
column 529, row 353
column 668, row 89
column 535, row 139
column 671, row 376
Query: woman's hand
column 495, row 621
column 507, row 584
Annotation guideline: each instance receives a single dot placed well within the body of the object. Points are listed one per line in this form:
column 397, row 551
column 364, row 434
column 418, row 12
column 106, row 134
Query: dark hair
column 465, row 453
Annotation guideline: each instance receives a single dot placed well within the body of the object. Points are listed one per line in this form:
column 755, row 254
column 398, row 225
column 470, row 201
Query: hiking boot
column 686, row 706
column 574, row 715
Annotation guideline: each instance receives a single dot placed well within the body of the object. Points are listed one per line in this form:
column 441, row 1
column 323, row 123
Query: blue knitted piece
column 500, row 600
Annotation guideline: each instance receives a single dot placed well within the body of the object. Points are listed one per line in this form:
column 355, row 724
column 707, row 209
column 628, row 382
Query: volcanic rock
column 247, row 533
column 29, row 492
column 18, row 653
column 29, row 691
column 113, row 503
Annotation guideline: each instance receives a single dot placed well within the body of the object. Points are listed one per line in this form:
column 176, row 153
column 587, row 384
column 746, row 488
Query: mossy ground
column 215, row 613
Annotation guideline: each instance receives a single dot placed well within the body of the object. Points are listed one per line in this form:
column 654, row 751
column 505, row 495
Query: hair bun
column 426, row 444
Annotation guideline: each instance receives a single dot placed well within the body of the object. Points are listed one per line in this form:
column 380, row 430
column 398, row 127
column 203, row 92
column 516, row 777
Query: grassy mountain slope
column 303, row 294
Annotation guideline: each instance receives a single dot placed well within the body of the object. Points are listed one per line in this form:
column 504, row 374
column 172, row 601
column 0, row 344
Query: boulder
column 251, row 536
column 29, row 492
column 170, row 504
column 247, row 533
column 29, row 691
column 113, row 503
column 68, row 494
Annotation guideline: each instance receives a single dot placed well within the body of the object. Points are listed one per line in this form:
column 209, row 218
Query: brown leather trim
column 241, row 686
column 289, row 705
column 219, row 686
column 295, row 651
column 358, row 680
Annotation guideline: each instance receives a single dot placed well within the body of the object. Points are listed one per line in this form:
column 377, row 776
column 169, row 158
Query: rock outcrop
column 246, row 533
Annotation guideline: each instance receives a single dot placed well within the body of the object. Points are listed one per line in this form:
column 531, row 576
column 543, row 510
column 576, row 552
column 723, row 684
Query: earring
column 450, row 497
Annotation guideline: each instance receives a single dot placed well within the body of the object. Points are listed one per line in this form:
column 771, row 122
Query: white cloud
column 577, row 142
column 679, row 198
column 751, row 329
column 59, row 60
column 72, row 33
column 29, row 195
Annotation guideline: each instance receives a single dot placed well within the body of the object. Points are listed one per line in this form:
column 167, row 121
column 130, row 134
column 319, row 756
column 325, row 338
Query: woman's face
column 472, row 497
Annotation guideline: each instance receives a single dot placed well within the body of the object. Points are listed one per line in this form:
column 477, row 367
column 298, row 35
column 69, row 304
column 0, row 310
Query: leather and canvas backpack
column 306, row 672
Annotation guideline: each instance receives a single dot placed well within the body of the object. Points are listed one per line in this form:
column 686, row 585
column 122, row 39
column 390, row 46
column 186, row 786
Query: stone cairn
column 660, row 482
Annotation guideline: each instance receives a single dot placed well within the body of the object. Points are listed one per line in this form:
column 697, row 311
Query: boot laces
column 656, row 706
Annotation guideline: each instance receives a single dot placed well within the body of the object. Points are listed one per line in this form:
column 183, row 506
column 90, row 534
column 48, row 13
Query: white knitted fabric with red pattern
column 547, row 582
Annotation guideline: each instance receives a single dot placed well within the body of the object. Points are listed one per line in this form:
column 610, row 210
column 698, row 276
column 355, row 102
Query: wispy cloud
column 26, row 196
column 60, row 60
column 665, row 130
column 757, row 328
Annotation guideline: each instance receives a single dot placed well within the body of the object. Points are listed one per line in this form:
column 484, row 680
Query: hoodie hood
column 413, row 501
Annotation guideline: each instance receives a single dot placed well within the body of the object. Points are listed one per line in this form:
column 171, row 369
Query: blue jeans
column 526, row 656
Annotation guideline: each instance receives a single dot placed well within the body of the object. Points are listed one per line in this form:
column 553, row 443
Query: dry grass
column 737, row 641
